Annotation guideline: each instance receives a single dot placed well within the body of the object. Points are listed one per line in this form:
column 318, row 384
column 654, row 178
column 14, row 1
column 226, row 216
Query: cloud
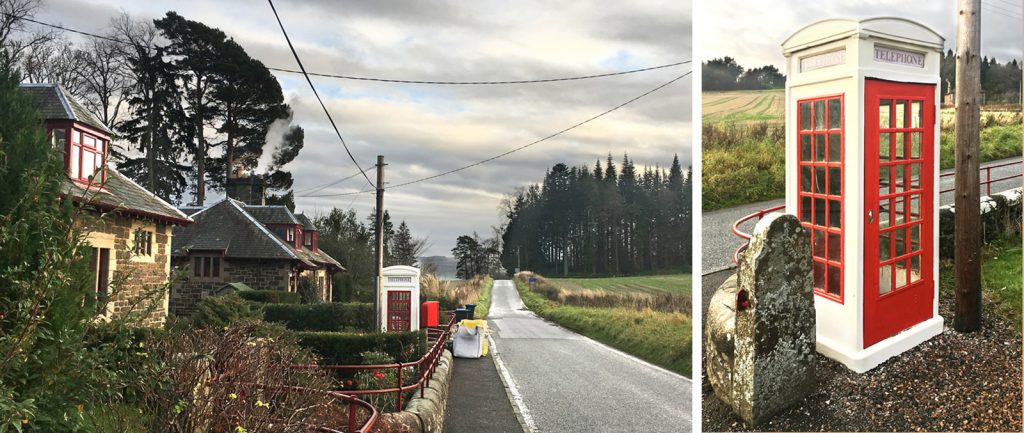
column 423, row 130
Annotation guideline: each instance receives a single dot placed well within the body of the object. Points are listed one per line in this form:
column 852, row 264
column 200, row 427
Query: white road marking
column 517, row 398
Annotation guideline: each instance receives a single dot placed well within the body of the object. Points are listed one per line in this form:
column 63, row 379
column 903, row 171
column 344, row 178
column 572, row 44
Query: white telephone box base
column 863, row 360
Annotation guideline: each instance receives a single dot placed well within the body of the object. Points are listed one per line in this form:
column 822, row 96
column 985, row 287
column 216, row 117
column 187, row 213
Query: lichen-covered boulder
column 760, row 339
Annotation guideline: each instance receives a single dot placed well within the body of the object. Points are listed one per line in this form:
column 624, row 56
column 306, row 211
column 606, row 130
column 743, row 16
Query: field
column 659, row 333
column 743, row 106
column 655, row 284
column 743, row 144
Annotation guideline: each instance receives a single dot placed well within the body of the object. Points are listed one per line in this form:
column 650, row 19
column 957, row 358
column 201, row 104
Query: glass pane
column 900, row 181
column 915, row 238
column 88, row 164
column 884, row 113
column 915, row 145
column 916, row 114
column 901, row 241
column 819, row 147
column 805, row 147
column 901, row 112
column 884, row 146
column 835, row 147
column 884, row 279
column 819, row 244
column 819, row 275
column 898, row 210
column 915, row 207
column 835, row 114
column 901, row 146
column 819, row 114
column 915, row 269
column 76, row 137
column 884, row 246
column 90, row 141
column 835, row 181
column 900, row 268
column 805, row 209
column 884, row 179
column 806, row 178
column 76, row 154
column 819, row 180
column 915, row 176
column 835, row 247
column 805, row 116
column 834, row 277
column 819, row 211
column 835, row 214
column 884, row 214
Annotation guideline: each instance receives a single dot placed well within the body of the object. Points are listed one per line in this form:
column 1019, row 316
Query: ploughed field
column 652, row 284
column 743, row 106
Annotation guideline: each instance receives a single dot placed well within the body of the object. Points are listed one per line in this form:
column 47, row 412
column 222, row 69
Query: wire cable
column 321, row 187
column 317, row 94
column 548, row 137
column 389, row 80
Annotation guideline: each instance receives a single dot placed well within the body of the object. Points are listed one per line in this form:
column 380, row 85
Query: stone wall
column 1000, row 213
column 141, row 282
column 188, row 290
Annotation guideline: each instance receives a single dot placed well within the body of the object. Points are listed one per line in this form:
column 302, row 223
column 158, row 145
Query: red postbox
column 430, row 314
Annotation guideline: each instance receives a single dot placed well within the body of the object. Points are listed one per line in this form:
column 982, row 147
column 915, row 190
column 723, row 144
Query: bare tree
column 104, row 77
column 13, row 29
column 54, row 61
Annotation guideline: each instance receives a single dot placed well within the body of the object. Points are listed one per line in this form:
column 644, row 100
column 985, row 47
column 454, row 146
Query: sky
column 423, row 130
column 755, row 37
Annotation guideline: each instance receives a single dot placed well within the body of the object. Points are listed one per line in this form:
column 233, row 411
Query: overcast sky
column 754, row 38
column 422, row 130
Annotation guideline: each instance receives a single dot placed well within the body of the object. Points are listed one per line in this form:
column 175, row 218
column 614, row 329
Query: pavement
column 720, row 242
column 477, row 399
column 560, row 381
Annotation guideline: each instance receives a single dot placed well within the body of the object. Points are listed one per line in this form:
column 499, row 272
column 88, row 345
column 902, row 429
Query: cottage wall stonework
column 188, row 290
column 143, row 283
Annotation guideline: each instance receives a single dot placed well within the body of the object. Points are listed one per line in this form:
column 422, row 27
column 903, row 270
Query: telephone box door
column 399, row 310
column 899, row 197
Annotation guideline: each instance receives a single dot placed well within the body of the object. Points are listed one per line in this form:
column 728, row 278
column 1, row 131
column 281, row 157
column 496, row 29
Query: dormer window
column 308, row 241
column 87, row 155
column 289, row 234
column 298, row 237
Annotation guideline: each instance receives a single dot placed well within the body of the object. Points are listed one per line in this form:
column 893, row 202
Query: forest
column 600, row 221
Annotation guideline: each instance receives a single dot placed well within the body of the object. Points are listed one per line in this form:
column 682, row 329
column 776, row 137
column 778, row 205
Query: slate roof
column 123, row 195
column 272, row 214
column 232, row 227
column 56, row 104
column 307, row 224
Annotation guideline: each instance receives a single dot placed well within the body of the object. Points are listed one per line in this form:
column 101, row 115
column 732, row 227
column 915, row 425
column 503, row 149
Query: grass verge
column 663, row 339
column 678, row 284
column 1000, row 277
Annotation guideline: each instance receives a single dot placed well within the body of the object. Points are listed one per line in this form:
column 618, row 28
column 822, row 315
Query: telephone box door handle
column 871, row 216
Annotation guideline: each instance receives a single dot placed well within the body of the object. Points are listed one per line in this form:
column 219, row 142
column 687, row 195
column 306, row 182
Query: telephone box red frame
column 893, row 209
column 399, row 310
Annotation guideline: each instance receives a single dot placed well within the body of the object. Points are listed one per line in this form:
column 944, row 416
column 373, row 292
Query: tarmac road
column 720, row 242
column 564, row 382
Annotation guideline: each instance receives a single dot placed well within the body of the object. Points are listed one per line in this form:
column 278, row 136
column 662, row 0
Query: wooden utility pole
column 967, row 236
column 379, row 232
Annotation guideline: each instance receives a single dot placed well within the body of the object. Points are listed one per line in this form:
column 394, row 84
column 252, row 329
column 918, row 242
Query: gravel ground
column 955, row 381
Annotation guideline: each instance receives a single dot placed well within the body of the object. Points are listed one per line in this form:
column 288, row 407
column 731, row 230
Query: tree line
column 999, row 81
column 726, row 74
column 188, row 105
column 601, row 221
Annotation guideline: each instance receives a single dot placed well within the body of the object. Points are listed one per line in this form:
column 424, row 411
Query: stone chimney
column 250, row 190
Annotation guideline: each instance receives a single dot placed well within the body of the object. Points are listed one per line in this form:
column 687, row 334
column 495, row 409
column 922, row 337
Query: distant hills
column 445, row 266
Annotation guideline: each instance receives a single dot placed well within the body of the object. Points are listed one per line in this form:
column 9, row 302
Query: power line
column 548, row 137
column 464, row 83
column 1013, row 6
column 389, row 80
column 321, row 187
column 315, row 93
column 1000, row 10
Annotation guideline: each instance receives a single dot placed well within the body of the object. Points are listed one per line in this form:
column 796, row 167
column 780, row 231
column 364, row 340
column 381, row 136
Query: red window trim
column 840, row 298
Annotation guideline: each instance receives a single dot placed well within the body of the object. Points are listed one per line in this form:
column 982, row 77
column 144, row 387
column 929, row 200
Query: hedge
column 355, row 316
column 270, row 296
column 335, row 348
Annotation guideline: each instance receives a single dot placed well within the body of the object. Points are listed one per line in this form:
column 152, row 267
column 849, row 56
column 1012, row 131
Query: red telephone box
column 861, row 174
column 399, row 310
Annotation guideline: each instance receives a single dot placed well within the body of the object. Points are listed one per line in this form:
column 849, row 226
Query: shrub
column 270, row 296
column 382, row 379
column 220, row 311
column 308, row 292
column 322, row 317
column 335, row 348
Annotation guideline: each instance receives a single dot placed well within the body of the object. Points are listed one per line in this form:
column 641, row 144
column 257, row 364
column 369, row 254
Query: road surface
column 720, row 242
column 564, row 382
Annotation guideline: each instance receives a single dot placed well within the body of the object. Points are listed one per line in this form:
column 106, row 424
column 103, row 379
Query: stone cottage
column 265, row 247
column 133, row 238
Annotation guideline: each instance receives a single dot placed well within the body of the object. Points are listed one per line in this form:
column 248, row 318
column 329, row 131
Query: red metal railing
column 355, row 424
column 987, row 183
column 987, row 170
column 427, row 364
